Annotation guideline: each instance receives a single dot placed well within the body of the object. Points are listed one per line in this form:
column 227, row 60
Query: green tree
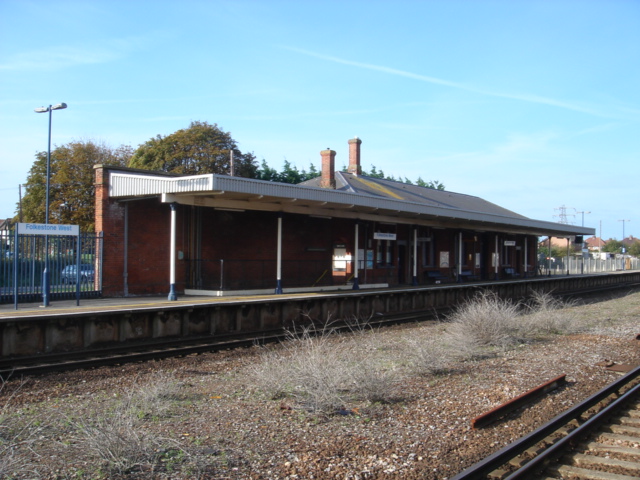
column 289, row 173
column 634, row 249
column 265, row 172
column 375, row 173
column 556, row 251
column 201, row 148
column 72, row 190
column 612, row 246
column 436, row 185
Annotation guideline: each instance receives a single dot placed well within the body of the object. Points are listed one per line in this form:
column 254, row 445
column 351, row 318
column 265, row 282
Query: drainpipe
column 356, row 285
column 414, row 281
column 172, row 256
column 279, row 257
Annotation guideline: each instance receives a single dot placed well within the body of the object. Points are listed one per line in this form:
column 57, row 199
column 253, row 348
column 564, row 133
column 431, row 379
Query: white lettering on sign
column 384, row 236
column 47, row 229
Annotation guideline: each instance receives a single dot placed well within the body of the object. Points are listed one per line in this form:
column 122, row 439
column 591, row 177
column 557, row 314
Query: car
column 69, row 273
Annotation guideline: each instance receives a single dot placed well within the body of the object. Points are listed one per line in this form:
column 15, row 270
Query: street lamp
column 45, row 273
column 622, row 248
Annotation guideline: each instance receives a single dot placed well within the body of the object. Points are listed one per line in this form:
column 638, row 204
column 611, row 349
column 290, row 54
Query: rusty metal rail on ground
column 497, row 465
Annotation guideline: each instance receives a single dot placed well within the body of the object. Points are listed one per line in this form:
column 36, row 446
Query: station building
column 216, row 234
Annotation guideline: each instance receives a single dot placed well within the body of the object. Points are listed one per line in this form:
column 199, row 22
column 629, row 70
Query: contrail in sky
column 447, row 83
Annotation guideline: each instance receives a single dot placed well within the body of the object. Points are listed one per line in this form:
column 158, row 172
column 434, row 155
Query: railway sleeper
column 600, row 464
column 630, row 421
column 607, row 449
column 624, row 430
column 618, row 439
column 569, row 471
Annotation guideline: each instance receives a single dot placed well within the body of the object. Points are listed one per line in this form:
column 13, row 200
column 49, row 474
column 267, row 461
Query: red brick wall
column 247, row 243
column 149, row 224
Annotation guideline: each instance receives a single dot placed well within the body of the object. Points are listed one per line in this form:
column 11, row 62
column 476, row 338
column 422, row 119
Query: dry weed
column 484, row 322
column 550, row 315
column 17, row 434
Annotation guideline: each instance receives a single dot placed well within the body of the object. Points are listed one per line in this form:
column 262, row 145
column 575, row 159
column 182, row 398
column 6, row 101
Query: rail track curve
column 597, row 439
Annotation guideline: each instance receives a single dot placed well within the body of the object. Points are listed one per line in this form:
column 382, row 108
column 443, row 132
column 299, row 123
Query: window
column 384, row 253
column 426, row 247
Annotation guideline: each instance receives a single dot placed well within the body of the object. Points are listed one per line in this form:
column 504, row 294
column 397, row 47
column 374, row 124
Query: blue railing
column 22, row 265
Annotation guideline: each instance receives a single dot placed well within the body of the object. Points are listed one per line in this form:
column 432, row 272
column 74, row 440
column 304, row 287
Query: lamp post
column 582, row 245
column 45, row 273
column 622, row 248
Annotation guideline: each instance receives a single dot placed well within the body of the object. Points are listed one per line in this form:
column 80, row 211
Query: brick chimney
column 328, row 179
column 354, row 156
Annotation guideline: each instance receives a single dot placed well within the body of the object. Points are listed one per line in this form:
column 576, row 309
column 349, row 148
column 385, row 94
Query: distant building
column 595, row 244
column 630, row 240
column 6, row 224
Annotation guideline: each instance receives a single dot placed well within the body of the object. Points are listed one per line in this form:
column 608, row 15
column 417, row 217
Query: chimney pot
column 328, row 178
column 354, row 156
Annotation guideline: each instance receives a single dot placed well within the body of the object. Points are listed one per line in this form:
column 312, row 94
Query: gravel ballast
column 203, row 416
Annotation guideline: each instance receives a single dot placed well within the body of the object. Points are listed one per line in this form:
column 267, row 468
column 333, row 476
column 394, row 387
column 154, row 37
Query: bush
column 16, row 437
column 322, row 371
column 156, row 395
column 118, row 438
column 550, row 315
column 484, row 322
column 428, row 354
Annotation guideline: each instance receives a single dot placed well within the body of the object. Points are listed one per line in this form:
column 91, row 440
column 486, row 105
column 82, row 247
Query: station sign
column 384, row 236
column 47, row 229
column 509, row 243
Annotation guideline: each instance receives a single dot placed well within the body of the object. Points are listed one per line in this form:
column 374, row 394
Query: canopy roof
column 355, row 197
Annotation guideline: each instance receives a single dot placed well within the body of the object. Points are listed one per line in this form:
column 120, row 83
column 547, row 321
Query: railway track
column 598, row 439
column 130, row 353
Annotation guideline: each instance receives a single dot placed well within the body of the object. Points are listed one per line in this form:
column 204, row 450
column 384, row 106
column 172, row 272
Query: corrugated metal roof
column 353, row 194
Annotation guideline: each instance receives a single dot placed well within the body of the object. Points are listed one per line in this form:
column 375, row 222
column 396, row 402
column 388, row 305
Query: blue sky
column 533, row 105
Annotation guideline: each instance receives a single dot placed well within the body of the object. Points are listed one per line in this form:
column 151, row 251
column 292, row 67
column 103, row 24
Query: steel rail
column 483, row 468
column 560, row 447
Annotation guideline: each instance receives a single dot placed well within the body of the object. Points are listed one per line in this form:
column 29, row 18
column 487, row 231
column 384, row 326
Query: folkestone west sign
column 48, row 229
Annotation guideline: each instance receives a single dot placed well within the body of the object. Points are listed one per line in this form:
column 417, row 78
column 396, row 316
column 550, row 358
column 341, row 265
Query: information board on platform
column 47, row 229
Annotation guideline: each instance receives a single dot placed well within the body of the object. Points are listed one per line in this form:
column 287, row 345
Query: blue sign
column 48, row 229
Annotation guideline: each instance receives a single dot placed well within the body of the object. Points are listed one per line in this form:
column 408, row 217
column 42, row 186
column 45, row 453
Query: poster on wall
column 444, row 259
column 477, row 260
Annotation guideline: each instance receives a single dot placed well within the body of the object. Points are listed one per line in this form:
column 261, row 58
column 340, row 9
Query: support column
column 356, row 285
column 172, row 256
column 414, row 280
column 459, row 254
column 279, row 257
column 549, row 258
column 496, row 260
column 526, row 257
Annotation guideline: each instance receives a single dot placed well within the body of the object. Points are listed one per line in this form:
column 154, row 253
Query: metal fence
column 22, row 265
column 578, row 265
